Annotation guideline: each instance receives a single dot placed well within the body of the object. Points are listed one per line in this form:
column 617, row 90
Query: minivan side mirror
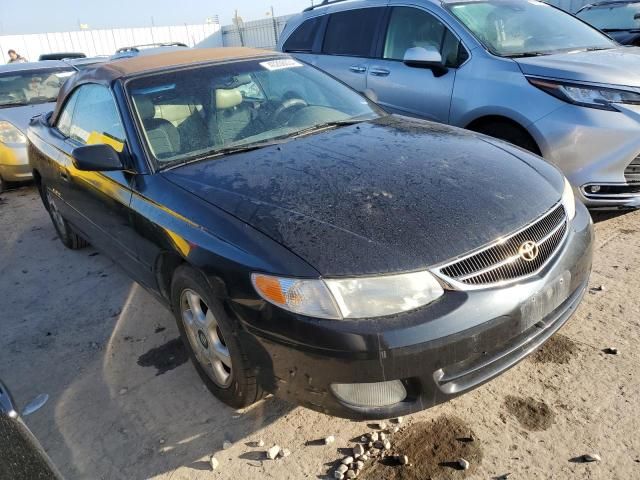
column 421, row 57
column 97, row 158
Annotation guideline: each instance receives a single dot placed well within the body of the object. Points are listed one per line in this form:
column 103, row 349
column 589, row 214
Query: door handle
column 357, row 68
column 65, row 176
column 379, row 72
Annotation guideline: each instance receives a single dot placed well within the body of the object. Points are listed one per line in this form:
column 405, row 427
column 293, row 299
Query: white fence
column 102, row 42
column 257, row 34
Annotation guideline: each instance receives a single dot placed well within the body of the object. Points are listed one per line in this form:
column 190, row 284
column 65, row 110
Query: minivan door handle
column 379, row 72
column 357, row 68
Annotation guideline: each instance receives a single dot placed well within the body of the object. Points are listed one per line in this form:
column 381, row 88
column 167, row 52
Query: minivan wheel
column 210, row 337
column 67, row 236
column 509, row 132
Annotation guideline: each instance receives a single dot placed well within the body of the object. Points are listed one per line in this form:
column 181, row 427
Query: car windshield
column 515, row 28
column 31, row 86
column 200, row 112
column 616, row 16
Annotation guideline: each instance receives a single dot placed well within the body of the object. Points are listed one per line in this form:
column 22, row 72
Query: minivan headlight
column 349, row 298
column 10, row 134
column 586, row 95
column 568, row 200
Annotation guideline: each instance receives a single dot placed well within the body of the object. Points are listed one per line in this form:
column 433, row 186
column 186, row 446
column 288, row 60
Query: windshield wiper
column 14, row 104
column 325, row 125
column 527, row 54
column 607, row 30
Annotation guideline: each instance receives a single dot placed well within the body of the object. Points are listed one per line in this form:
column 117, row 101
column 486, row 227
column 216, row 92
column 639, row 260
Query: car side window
column 411, row 27
column 352, row 33
column 96, row 119
column 64, row 121
column 301, row 40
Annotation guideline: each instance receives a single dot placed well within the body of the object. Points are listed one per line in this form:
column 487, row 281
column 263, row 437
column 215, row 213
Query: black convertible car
column 309, row 244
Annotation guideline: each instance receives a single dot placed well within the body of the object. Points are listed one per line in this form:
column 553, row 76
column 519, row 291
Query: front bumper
column 594, row 147
column 14, row 163
column 443, row 350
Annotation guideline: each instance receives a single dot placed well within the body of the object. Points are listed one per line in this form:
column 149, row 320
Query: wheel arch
column 479, row 122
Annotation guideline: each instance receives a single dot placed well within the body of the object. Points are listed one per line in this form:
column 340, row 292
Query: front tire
column 211, row 339
column 66, row 234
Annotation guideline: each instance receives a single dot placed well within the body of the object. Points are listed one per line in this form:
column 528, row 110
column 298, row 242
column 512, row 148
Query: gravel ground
column 126, row 404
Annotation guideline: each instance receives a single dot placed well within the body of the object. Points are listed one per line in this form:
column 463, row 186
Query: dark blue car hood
column 384, row 196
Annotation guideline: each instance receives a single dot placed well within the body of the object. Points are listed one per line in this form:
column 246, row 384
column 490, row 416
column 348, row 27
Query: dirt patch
column 433, row 449
column 558, row 349
column 165, row 357
column 532, row 414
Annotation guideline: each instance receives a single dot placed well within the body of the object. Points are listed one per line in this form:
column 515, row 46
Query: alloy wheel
column 205, row 338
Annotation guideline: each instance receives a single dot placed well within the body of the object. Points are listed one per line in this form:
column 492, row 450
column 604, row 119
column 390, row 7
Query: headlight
column 364, row 297
column 10, row 134
column 586, row 95
column 568, row 200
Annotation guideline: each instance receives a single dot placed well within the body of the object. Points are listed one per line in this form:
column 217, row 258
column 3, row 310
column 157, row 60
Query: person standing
column 15, row 57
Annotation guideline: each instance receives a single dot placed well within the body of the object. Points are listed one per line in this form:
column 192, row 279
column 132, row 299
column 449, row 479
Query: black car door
column 98, row 202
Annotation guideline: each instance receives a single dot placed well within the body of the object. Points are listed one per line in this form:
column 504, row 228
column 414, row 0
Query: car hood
column 617, row 66
column 384, row 196
column 20, row 116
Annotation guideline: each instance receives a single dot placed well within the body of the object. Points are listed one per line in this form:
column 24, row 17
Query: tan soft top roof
column 185, row 56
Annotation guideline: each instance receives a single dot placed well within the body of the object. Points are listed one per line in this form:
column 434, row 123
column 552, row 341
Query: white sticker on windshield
column 64, row 74
column 280, row 64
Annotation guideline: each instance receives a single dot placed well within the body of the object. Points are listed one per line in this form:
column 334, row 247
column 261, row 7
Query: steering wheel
column 288, row 104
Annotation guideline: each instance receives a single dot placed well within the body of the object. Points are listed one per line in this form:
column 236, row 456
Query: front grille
column 632, row 172
column 502, row 261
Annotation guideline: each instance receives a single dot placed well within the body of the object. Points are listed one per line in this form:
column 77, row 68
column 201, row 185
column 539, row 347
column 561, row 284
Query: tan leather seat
column 232, row 116
column 163, row 136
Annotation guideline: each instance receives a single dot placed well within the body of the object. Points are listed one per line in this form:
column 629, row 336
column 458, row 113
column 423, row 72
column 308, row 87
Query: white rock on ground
column 285, row 452
column 338, row 475
column 359, row 465
column 213, row 462
column 273, row 452
column 226, row 445
column 347, row 460
column 464, row 465
column 373, row 436
column 387, row 445
column 399, row 420
column 342, row 468
column 350, row 474
column 358, row 450
column 382, row 426
column 591, row 457
column 260, row 443
column 403, row 459
column 329, row 440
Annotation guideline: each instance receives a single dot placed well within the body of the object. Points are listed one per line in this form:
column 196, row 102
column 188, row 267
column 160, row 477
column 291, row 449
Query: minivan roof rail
column 323, row 4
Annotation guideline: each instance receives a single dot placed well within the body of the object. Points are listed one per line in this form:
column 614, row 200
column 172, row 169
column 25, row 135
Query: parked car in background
column 61, row 56
column 618, row 19
column 309, row 244
column 519, row 70
column 23, row 458
column 26, row 90
column 147, row 49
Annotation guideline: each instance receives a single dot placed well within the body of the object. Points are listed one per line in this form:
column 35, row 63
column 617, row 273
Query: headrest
column 228, row 98
column 145, row 106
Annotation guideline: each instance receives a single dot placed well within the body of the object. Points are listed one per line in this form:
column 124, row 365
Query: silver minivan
column 519, row 70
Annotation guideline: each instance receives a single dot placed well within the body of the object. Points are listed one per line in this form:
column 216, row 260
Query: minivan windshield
column 29, row 87
column 520, row 28
column 611, row 17
column 196, row 113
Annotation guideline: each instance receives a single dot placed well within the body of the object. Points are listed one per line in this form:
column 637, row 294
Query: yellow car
column 26, row 90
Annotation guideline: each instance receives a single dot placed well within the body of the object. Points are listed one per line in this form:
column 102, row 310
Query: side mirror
column 420, row 57
column 97, row 158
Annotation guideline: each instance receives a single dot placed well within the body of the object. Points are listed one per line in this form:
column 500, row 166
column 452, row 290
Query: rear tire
column 66, row 234
column 211, row 338
column 3, row 184
column 509, row 132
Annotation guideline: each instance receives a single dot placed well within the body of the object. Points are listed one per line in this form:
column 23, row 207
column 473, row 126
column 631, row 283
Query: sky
column 42, row 16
